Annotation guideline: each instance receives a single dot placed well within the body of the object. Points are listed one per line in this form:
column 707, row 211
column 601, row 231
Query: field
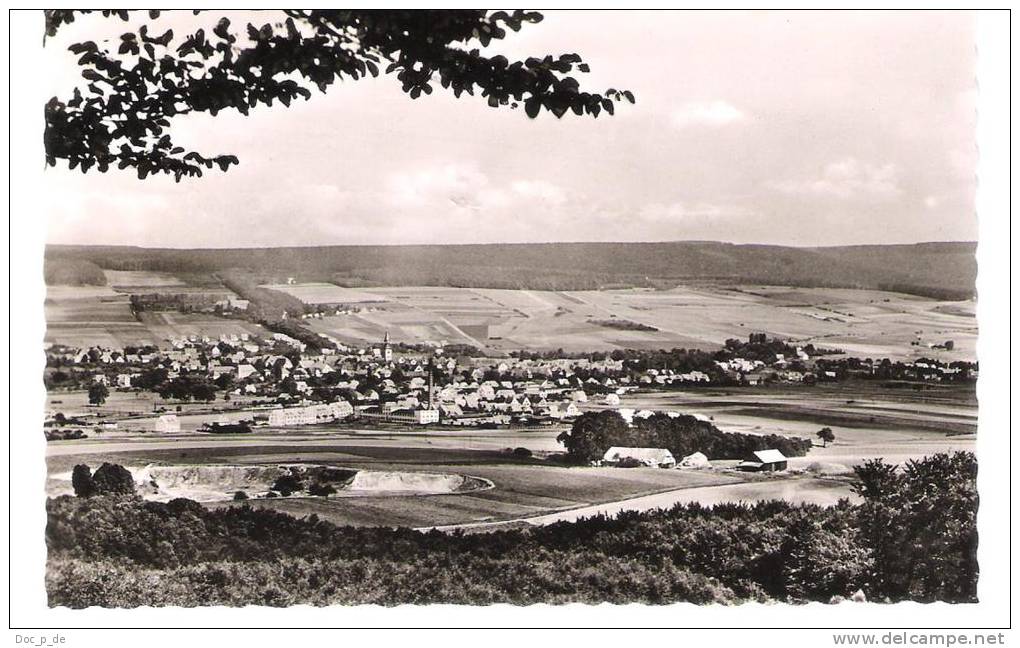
column 325, row 293
column 861, row 322
column 83, row 316
column 120, row 279
column 864, row 323
column 522, row 489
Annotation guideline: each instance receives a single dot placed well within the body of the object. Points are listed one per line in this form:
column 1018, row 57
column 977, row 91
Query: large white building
column 426, row 416
column 311, row 414
column 168, row 424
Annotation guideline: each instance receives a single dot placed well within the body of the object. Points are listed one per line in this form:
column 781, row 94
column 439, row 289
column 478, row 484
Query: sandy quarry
column 217, row 483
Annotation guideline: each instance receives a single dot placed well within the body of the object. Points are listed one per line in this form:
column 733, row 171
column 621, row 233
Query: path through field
column 807, row 490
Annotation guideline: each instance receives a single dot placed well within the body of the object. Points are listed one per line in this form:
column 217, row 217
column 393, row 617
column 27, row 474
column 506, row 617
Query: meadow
column 863, row 323
column 522, row 488
column 84, row 316
column 140, row 279
column 325, row 293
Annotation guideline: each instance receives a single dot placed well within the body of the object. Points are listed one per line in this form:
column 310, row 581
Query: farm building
column 764, row 461
column 696, row 460
column 168, row 423
column 652, row 457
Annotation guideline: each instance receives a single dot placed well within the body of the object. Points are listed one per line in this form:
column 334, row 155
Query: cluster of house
column 423, row 388
column 377, row 384
column 804, row 368
column 937, row 372
column 669, row 377
column 780, row 369
column 373, row 382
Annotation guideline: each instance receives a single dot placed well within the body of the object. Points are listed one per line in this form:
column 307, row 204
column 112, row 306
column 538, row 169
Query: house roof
column 769, row 456
column 658, row 455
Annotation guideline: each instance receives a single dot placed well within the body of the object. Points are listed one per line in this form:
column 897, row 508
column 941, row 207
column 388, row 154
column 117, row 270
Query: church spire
column 432, row 402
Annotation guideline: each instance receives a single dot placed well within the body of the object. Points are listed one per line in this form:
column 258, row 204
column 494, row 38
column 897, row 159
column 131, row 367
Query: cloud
column 540, row 190
column 846, row 178
column 700, row 212
column 465, row 187
column 707, row 113
column 452, row 183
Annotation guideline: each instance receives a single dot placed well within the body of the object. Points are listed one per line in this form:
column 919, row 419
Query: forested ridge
column 938, row 270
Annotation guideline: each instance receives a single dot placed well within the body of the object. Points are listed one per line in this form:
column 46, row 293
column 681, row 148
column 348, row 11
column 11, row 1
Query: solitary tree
column 826, row 435
column 98, row 393
column 112, row 479
column 137, row 84
column 81, row 480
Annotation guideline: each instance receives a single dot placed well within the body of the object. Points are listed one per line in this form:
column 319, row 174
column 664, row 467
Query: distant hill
column 939, row 270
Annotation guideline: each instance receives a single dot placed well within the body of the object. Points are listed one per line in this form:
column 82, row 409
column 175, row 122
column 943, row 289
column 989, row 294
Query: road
column 797, row 490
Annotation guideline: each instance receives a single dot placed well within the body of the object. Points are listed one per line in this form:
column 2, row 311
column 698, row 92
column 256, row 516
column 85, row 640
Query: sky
column 790, row 128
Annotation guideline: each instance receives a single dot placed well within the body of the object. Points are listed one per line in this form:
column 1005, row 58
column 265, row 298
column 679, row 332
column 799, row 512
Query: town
column 281, row 382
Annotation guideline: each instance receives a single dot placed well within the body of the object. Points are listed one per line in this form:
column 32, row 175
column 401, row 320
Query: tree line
column 593, row 433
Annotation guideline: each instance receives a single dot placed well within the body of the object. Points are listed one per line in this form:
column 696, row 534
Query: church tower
column 387, row 352
column 432, row 400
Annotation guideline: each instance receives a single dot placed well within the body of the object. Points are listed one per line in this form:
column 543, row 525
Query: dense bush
column 622, row 325
column 109, row 479
column 188, row 386
column 64, row 435
column 81, row 480
column 319, row 489
column 912, row 539
column 287, row 484
column 922, row 522
column 263, row 303
column 593, row 433
column 112, row 479
column 629, row 462
column 547, row 577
